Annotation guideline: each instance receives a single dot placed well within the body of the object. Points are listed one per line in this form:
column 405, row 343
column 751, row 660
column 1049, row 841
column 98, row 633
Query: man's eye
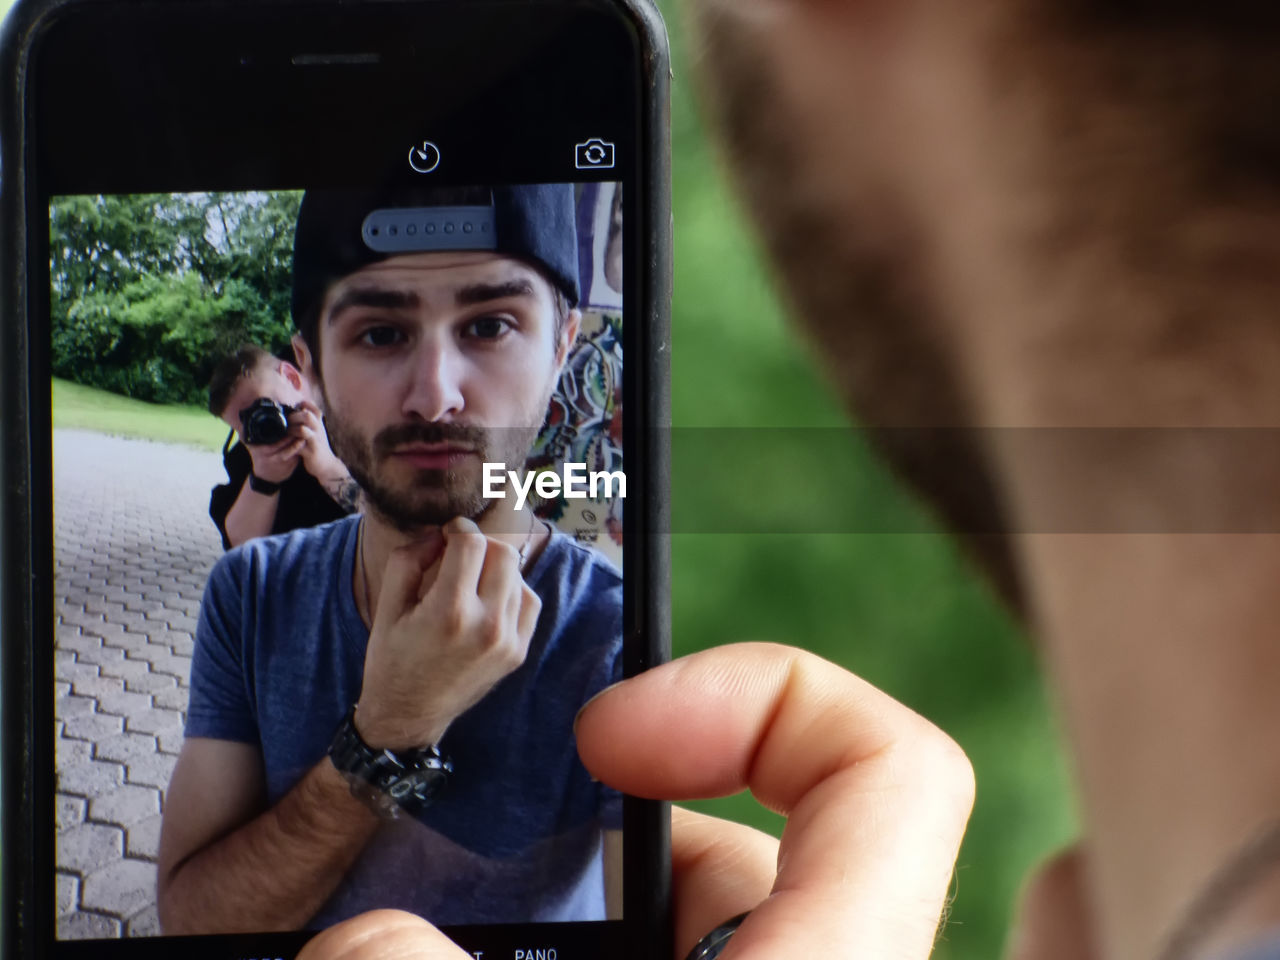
column 381, row 336
column 486, row 328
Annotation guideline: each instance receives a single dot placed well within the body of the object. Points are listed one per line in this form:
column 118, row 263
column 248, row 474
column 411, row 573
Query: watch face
column 418, row 789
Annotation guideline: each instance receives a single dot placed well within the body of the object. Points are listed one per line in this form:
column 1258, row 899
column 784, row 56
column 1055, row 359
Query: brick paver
column 134, row 545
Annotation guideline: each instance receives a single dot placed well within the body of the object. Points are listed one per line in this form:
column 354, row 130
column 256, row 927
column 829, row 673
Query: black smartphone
column 289, row 286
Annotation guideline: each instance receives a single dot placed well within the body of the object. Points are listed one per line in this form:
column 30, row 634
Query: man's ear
column 306, row 365
column 291, row 373
column 568, row 336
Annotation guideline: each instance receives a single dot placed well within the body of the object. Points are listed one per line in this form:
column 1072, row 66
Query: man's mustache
column 406, row 433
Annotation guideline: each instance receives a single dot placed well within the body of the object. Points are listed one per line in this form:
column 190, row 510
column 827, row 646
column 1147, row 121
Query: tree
column 149, row 291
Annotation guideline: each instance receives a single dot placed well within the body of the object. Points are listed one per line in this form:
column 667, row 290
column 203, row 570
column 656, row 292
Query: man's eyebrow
column 484, row 292
column 373, row 297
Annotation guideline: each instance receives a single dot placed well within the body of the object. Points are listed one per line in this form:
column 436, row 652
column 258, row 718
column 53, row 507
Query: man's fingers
column 1053, row 921
column 279, row 448
column 464, row 552
column 877, row 797
column 383, row 935
column 530, row 607
column 404, row 572
column 499, row 575
column 719, row 869
column 292, row 449
column 310, row 421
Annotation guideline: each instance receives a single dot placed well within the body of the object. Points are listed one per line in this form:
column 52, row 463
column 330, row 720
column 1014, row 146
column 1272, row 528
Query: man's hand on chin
column 454, row 617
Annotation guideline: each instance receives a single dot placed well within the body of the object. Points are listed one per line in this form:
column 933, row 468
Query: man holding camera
column 382, row 707
column 281, row 475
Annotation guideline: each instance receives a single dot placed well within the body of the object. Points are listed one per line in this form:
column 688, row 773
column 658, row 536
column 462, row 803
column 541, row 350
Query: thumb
column 1053, row 921
column 383, row 935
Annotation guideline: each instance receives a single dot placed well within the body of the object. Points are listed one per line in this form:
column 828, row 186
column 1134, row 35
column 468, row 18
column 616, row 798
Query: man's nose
column 435, row 388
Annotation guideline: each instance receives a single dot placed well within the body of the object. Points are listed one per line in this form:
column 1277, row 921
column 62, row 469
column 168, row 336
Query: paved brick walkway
column 134, row 545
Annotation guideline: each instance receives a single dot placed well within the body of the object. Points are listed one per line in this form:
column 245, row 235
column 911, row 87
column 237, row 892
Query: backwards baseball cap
column 341, row 231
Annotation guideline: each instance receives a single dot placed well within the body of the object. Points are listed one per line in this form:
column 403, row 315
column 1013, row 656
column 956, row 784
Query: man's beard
column 858, row 292
column 432, row 497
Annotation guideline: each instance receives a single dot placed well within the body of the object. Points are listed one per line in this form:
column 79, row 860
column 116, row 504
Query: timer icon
column 424, row 158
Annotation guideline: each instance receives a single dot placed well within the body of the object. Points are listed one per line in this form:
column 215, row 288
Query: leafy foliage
column 149, row 291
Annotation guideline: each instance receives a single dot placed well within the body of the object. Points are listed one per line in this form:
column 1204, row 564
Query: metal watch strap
column 408, row 781
column 265, row 487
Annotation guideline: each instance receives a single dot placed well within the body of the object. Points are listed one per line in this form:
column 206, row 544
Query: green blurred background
column 901, row 610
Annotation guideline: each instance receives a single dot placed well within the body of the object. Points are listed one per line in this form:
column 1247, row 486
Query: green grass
column 85, row 408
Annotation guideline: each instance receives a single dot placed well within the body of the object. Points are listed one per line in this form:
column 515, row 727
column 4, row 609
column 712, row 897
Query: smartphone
column 287, row 286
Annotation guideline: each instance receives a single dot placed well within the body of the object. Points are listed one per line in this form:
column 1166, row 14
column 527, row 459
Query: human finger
column 530, row 607
column 500, row 570
column 719, row 869
column 307, row 416
column 288, row 449
column 313, row 440
column 876, row 797
column 1053, row 920
column 404, row 571
column 464, row 552
column 275, row 449
column 382, row 935
column 499, row 585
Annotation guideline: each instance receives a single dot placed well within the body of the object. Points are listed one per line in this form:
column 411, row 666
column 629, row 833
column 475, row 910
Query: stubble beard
column 430, row 497
column 857, row 292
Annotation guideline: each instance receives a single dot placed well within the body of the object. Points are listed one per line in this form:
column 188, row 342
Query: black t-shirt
column 303, row 500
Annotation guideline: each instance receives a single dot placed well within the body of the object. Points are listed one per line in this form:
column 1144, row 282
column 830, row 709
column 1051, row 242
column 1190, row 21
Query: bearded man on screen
column 455, row 634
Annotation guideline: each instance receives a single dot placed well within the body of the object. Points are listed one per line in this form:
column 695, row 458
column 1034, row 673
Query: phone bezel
column 26, row 536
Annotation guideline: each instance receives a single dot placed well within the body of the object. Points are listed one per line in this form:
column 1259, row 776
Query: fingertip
column 382, row 933
column 587, row 706
column 460, row 525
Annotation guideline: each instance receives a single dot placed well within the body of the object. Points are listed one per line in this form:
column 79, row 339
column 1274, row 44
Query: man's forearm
column 342, row 490
column 252, row 515
column 276, row 871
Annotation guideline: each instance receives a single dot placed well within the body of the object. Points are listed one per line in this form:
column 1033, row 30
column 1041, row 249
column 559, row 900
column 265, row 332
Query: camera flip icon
column 595, row 154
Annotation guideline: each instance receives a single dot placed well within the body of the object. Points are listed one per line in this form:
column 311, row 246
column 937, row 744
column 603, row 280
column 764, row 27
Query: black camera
column 265, row 421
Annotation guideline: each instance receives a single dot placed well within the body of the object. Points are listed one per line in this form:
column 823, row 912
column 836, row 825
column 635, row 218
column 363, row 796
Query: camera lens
column 265, row 422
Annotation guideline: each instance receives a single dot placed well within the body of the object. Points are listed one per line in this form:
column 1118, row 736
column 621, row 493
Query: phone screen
column 321, row 278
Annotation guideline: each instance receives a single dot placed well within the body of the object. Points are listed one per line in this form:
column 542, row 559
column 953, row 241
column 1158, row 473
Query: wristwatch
column 258, row 485
column 391, row 784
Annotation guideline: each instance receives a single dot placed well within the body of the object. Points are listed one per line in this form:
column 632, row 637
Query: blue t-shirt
column 516, row 836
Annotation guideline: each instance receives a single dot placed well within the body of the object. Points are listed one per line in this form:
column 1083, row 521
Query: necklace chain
column 528, row 539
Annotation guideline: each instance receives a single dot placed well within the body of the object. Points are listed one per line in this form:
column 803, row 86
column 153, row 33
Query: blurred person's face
column 956, row 195
column 435, row 363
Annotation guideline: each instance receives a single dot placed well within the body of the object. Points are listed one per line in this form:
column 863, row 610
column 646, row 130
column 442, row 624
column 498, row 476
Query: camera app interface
column 338, row 500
